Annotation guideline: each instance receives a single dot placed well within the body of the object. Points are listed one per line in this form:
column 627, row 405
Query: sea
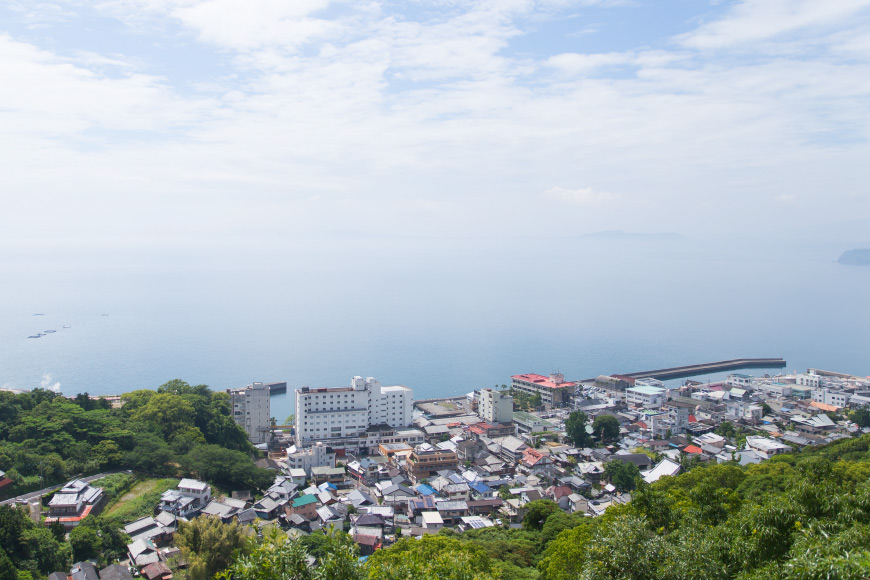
column 443, row 317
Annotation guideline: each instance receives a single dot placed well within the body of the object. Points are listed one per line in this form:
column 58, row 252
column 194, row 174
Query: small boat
column 39, row 314
column 67, row 326
column 34, row 336
column 103, row 314
column 50, row 331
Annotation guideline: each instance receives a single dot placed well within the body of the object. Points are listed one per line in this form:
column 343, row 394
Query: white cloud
column 761, row 20
column 575, row 63
column 328, row 115
column 47, row 383
column 584, row 196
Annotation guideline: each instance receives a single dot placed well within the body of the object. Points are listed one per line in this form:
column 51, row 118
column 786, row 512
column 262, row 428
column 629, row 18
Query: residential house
column 333, row 475
column 367, row 544
column 143, row 552
column 115, row 572
column 304, row 505
column 157, row 571
column 84, row 571
column 536, row 462
column 269, row 507
column 451, row 511
column 432, row 520
column 187, row 499
column 73, row 502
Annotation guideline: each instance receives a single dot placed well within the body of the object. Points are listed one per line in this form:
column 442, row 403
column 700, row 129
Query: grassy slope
column 140, row 500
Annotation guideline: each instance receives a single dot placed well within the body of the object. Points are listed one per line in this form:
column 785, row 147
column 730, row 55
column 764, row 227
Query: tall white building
column 252, row 411
column 346, row 412
column 495, row 406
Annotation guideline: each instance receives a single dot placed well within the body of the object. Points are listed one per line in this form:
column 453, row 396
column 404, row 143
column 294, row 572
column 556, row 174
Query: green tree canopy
column 622, row 474
column 575, row 429
column 210, row 545
column 605, row 427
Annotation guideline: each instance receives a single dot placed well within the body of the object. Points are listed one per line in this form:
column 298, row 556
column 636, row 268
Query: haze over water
column 442, row 317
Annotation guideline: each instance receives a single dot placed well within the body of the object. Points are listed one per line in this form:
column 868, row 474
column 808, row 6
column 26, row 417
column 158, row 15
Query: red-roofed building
column 554, row 391
column 367, row 544
column 692, row 450
column 492, row 431
column 533, row 461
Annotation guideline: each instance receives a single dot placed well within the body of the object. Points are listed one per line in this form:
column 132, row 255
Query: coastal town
column 371, row 460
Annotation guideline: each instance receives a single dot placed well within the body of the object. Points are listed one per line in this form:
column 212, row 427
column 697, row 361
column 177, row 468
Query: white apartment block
column 318, row 455
column 325, row 414
column 495, row 406
column 738, row 380
column 808, row 380
column 646, row 396
column 774, row 389
column 252, row 411
column 831, row 397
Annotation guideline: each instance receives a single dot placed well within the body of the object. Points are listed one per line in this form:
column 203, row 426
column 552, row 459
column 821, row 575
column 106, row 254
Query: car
column 21, row 501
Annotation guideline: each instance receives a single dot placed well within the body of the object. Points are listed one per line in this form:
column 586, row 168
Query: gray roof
column 247, row 515
column 140, row 547
column 140, row 525
column 115, row 572
column 358, row 498
column 84, row 571
column 398, row 489
column 193, row 484
column 216, row 508
column 369, row 520
column 451, row 505
column 266, row 504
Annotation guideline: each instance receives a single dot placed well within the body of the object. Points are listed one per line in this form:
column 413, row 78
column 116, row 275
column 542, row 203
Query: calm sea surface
column 442, row 320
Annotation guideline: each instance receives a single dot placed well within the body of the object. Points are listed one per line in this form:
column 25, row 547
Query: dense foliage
column 178, row 429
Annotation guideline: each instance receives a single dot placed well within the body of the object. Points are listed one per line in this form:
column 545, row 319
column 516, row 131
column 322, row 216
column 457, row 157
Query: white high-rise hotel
column 346, row 412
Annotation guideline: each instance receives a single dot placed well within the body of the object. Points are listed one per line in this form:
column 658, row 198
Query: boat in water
column 49, row 331
column 67, row 326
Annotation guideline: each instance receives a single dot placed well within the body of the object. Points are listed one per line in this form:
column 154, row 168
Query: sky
column 150, row 128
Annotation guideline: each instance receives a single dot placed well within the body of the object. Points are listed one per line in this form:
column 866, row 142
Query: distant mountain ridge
column 857, row 257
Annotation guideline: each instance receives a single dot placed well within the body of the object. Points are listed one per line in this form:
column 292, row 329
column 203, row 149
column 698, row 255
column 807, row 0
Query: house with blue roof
column 481, row 491
column 424, row 489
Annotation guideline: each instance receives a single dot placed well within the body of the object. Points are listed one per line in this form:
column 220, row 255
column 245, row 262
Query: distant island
column 860, row 257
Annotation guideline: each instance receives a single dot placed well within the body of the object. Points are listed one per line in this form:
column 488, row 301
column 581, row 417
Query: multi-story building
column 425, row 464
column 646, row 396
column 554, row 391
column 252, row 411
column 808, row 380
column 739, row 380
column 317, row 455
column 345, row 413
column 833, row 397
column 187, row 499
column 495, row 406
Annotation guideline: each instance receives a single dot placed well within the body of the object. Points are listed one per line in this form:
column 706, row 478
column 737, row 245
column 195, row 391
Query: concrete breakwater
column 707, row 368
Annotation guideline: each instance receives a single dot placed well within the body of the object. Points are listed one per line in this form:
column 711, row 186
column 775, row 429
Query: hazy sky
column 147, row 124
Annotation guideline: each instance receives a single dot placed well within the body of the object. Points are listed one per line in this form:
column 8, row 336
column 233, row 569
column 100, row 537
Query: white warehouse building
column 346, row 412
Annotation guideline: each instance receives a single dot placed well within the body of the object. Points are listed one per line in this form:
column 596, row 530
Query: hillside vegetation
column 174, row 431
